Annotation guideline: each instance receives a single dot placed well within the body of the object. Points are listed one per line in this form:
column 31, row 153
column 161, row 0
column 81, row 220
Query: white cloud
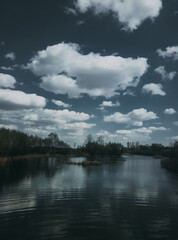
column 131, row 13
column 165, row 75
column 66, row 115
column 154, row 89
column 45, row 117
column 169, row 111
column 60, row 84
column 105, row 104
column 170, row 52
column 79, row 23
column 10, row 56
column 8, row 126
column 7, row 68
column 109, row 104
column 138, row 134
column 12, row 99
column 68, row 132
column 142, row 134
column 176, row 123
column 93, row 74
column 141, row 130
column 7, row 81
column 128, row 92
column 69, row 125
column 108, row 137
column 175, row 138
column 136, row 117
column 70, row 11
column 61, row 104
column 78, row 125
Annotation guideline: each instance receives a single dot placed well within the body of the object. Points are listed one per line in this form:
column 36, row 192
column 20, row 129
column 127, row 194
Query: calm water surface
column 47, row 199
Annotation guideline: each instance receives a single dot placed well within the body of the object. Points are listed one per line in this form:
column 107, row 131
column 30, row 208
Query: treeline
column 99, row 148
column 169, row 153
column 14, row 143
column 154, row 150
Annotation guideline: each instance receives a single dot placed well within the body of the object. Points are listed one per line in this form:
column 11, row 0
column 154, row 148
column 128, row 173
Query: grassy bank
column 170, row 163
column 46, row 155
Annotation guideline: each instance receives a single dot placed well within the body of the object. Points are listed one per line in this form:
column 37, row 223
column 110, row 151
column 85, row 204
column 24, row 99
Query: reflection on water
column 47, row 199
column 77, row 159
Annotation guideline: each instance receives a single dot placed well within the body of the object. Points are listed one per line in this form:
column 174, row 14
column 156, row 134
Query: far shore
column 166, row 162
column 69, row 155
column 46, row 155
column 49, row 155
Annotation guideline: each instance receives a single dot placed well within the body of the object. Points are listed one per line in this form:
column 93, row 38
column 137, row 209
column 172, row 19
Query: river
column 48, row 199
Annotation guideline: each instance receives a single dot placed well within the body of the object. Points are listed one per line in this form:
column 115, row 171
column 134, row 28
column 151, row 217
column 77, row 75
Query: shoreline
column 170, row 164
column 33, row 156
column 48, row 155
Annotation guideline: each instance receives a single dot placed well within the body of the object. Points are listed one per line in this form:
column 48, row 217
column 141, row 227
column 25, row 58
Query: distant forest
column 16, row 143
column 155, row 149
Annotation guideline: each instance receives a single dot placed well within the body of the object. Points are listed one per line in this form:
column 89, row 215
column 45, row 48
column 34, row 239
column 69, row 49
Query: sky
column 77, row 67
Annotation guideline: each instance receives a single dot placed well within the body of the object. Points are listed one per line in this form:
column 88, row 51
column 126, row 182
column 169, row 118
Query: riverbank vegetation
column 17, row 144
column 168, row 154
column 99, row 147
column 154, row 149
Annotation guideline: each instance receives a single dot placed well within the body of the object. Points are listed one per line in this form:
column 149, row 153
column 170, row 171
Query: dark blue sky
column 107, row 68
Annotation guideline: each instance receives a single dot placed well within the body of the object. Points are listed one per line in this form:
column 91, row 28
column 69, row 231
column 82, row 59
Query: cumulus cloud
column 10, row 126
column 142, row 134
column 136, row 117
column 141, row 130
column 79, row 125
column 105, row 104
column 170, row 52
column 60, row 84
column 69, row 125
column 12, row 100
column 169, row 111
column 108, row 137
column 175, row 138
column 176, row 123
column 69, row 133
column 10, row 56
column 109, row 104
column 72, row 11
column 131, row 13
column 65, row 70
column 7, row 81
column 154, row 89
column 79, row 23
column 7, row 68
column 44, row 118
column 56, row 116
column 128, row 92
column 165, row 75
column 61, row 104
column 138, row 134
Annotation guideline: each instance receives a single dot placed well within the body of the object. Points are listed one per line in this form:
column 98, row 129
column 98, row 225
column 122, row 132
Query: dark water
column 47, row 199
